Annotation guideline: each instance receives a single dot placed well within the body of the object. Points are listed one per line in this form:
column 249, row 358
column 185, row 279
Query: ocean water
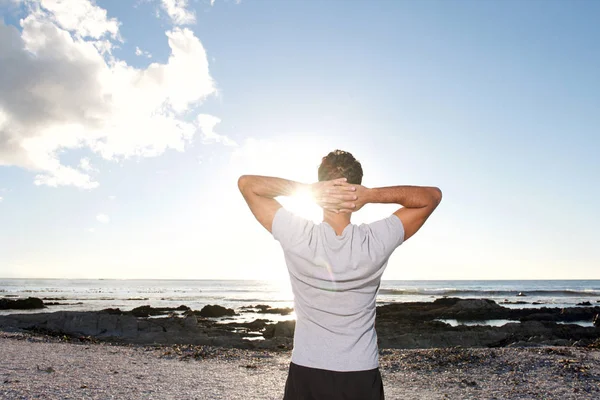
column 97, row 294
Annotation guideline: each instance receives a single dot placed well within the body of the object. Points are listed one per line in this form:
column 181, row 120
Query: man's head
column 340, row 164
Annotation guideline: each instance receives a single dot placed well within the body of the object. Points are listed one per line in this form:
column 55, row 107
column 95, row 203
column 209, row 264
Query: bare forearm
column 267, row 186
column 406, row 196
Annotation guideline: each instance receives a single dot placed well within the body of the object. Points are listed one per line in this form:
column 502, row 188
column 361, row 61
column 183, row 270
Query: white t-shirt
column 335, row 280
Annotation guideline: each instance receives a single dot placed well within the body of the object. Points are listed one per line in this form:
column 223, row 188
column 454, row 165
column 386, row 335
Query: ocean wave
column 492, row 293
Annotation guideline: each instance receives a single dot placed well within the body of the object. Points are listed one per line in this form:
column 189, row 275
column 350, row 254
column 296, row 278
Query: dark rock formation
column 265, row 309
column 584, row 303
column 414, row 325
column 116, row 311
column 280, row 329
column 256, row 325
column 477, row 310
column 214, row 311
column 399, row 325
column 29, row 303
column 146, row 311
column 125, row 328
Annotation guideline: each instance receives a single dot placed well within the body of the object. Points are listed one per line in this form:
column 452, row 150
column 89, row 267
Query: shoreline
column 442, row 323
column 55, row 368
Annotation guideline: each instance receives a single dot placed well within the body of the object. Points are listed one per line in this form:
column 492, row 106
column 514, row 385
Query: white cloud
column 84, row 165
column 112, row 197
column 140, row 52
column 207, row 123
column 83, row 17
column 59, row 90
column 178, row 12
column 1, row 199
column 212, row 2
column 91, row 230
column 103, row 218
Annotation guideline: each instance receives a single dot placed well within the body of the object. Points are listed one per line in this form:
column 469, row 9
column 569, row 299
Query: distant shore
column 49, row 367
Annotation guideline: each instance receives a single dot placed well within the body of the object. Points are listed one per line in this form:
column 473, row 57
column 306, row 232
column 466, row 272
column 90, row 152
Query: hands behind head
column 338, row 195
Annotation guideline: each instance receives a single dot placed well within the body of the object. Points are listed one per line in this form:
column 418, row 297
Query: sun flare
column 303, row 204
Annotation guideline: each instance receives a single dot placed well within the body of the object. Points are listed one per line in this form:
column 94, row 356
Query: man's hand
column 336, row 195
column 362, row 197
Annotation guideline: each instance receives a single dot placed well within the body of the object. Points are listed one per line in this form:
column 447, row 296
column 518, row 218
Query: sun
column 303, row 205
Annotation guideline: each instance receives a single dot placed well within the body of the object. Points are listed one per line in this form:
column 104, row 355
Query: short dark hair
column 340, row 164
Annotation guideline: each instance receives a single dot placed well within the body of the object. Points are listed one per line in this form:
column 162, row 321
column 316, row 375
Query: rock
column 521, row 294
column 280, row 329
column 266, row 309
column 125, row 328
column 269, row 310
column 146, row 311
column 583, row 343
column 399, row 325
column 29, row 303
column 446, row 301
column 540, row 317
column 256, row 325
column 584, row 303
column 215, row 311
column 112, row 311
column 190, row 321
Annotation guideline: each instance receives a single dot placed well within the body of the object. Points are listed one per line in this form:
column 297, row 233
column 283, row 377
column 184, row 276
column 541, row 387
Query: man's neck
column 337, row 221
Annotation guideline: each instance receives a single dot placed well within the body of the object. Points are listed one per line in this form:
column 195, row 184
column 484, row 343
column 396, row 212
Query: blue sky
column 107, row 170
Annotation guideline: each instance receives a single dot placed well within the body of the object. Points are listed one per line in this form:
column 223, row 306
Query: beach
column 39, row 366
column 444, row 348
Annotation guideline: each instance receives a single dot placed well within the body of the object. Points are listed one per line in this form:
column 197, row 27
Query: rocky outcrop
column 29, row 303
column 126, row 328
column 399, row 325
column 147, row 311
column 214, row 311
column 280, row 329
column 414, row 325
column 479, row 309
column 266, row 309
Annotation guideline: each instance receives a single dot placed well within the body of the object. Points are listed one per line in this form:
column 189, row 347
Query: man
column 335, row 269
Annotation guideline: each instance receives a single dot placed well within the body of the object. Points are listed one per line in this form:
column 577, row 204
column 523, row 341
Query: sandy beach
column 38, row 366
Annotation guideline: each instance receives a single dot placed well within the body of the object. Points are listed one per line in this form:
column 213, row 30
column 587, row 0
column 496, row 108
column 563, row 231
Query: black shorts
column 304, row 383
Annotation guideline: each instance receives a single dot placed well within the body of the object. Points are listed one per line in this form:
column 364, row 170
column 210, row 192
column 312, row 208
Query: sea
column 126, row 294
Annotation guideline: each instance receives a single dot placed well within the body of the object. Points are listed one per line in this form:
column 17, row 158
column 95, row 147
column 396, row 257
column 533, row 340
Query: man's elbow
column 436, row 195
column 243, row 183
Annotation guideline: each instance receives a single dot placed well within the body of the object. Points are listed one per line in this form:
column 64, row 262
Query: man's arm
column 418, row 203
column 260, row 192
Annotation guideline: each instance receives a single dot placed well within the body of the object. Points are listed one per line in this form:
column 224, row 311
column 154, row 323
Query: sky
column 124, row 126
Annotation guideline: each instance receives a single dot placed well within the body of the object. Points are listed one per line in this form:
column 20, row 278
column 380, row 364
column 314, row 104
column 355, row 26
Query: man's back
column 335, row 269
column 335, row 279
